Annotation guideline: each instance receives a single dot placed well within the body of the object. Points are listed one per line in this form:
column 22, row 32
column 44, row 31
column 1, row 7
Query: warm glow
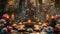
column 29, row 21
column 21, row 28
column 12, row 16
column 39, row 23
column 37, row 28
column 14, row 24
column 47, row 17
column 20, row 23
column 5, row 15
column 52, row 17
column 44, row 24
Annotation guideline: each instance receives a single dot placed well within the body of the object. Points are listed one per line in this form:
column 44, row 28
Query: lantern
column 36, row 27
column 47, row 17
column 5, row 15
column 12, row 17
column 29, row 21
column 14, row 24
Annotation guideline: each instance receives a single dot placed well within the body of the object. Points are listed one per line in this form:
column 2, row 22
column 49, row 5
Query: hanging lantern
column 47, row 17
column 39, row 23
column 5, row 15
column 36, row 27
column 29, row 21
column 44, row 24
column 14, row 24
column 12, row 17
column 20, row 23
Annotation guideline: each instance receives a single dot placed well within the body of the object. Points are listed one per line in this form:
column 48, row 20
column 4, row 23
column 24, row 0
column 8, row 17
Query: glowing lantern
column 47, row 17
column 14, row 24
column 44, row 24
column 5, row 15
column 36, row 27
column 40, row 23
column 21, row 27
column 20, row 23
column 29, row 21
column 12, row 17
